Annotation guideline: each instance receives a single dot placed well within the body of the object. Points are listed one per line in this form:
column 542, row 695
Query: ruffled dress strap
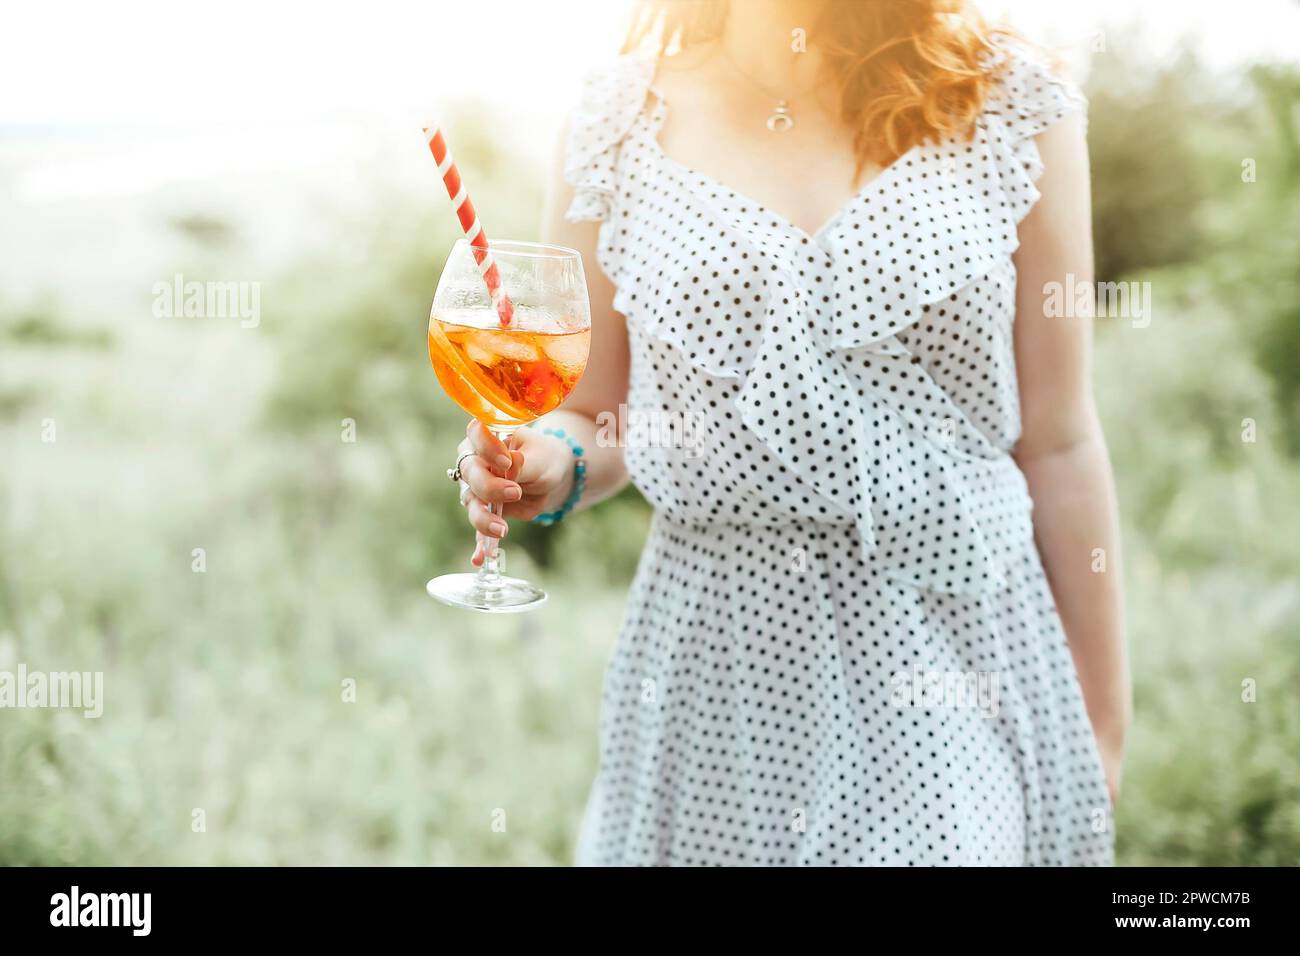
column 612, row 99
column 1031, row 95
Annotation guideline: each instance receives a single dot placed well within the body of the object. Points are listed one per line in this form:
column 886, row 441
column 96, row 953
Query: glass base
column 505, row 596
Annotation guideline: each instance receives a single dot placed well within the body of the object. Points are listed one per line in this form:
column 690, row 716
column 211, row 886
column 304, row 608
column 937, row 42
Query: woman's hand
column 1112, row 765
column 532, row 476
column 1110, row 747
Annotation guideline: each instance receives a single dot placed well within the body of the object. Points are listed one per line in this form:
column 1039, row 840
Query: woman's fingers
column 492, row 467
column 486, row 485
column 488, row 447
column 484, row 521
column 516, row 465
column 489, row 476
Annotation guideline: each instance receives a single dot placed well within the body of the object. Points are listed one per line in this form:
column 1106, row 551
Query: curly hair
column 906, row 70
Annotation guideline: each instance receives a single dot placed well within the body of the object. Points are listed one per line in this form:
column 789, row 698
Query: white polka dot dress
column 840, row 647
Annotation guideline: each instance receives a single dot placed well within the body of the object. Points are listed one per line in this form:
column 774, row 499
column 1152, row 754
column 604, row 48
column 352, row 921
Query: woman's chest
column 803, row 175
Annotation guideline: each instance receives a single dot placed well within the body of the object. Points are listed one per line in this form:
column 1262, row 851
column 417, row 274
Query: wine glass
column 507, row 376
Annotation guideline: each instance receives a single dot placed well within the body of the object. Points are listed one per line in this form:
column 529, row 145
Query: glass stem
column 494, row 559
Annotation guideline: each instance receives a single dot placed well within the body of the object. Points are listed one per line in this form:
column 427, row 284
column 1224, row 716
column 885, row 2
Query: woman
column 824, row 233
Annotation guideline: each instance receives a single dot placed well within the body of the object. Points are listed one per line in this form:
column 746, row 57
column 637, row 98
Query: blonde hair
column 906, row 70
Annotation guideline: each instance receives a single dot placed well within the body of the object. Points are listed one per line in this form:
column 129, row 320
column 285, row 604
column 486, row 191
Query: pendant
column 780, row 120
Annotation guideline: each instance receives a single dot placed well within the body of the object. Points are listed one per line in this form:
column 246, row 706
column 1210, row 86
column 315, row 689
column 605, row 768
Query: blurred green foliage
column 1138, row 122
column 226, row 691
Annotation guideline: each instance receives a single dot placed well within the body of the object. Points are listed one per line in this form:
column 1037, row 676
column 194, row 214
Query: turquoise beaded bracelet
column 579, row 481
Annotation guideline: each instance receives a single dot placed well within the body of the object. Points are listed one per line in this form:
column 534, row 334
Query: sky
column 169, row 63
column 126, row 98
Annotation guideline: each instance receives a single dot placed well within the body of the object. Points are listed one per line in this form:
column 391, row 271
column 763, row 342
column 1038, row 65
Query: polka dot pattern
column 845, row 513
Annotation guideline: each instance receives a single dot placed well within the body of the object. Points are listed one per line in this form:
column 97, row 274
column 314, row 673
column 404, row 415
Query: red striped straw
column 469, row 222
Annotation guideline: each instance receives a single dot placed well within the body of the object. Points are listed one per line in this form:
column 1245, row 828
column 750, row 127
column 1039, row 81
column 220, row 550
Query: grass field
column 288, row 694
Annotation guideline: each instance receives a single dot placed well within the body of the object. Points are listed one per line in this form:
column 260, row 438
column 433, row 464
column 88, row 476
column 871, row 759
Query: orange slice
column 480, row 383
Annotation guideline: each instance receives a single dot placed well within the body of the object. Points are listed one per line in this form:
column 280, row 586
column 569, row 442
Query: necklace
column 781, row 119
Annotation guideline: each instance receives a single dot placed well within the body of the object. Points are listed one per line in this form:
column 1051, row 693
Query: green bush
column 228, row 691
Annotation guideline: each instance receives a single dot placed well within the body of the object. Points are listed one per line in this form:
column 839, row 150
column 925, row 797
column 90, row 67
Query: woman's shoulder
column 1031, row 88
column 615, row 85
column 1030, row 93
column 612, row 97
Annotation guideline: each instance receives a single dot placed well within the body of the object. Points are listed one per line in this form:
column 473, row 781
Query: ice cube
column 567, row 350
column 512, row 347
column 477, row 351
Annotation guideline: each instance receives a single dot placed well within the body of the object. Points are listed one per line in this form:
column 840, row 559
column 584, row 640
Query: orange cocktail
column 505, row 377
column 509, row 335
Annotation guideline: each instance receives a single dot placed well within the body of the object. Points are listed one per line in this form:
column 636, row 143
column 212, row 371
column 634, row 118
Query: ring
column 454, row 473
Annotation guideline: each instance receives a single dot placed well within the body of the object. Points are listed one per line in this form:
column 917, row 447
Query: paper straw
column 487, row 266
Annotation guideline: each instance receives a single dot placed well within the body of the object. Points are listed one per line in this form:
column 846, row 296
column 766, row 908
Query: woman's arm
column 541, row 473
column 1062, row 451
column 603, row 386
